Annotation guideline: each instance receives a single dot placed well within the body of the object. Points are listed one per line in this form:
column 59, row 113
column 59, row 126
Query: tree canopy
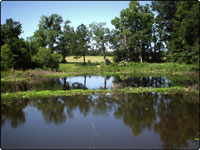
column 160, row 32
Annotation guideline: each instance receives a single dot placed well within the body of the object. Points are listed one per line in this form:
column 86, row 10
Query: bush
column 45, row 59
column 6, row 57
column 108, row 62
column 123, row 63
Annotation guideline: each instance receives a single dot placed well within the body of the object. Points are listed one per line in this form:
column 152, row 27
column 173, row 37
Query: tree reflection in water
column 52, row 110
column 174, row 117
column 137, row 112
column 105, row 82
column 179, row 121
column 13, row 113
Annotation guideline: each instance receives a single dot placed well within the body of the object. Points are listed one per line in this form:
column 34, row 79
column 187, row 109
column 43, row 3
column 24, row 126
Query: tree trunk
column 65, row 84
column 63, row 61
column 141, row 56
column 104, row 82
column 126, row 47
column 142, row 52
column 84, row 82
column 84, row 59
column 104, row 55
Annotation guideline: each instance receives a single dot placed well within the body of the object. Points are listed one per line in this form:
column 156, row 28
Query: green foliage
column 6, row 57
column 134, row 33
column 172, row 35
column 10, row 30
column 100, row 35
column 45, row 59
column 66, row 41
column 50, row 93
column 20, row 53
column 49, row 31
column 82, row 41
column 184, row 44
column 108, row 62
column 179, row 22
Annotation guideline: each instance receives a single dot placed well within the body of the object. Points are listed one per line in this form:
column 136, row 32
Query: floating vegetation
column 51, row 93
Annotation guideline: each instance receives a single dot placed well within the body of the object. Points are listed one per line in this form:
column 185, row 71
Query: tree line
column 165, row 31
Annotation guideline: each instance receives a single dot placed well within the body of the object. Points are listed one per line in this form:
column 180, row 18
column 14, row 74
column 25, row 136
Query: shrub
column 6, row 57
column 123, row 63
column 45, row 59
column 108, row 62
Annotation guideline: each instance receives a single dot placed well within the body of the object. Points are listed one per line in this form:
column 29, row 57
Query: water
column 96, row 82
column 147, row 120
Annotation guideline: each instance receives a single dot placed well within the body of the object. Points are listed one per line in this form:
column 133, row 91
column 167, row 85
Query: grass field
column 92, row 59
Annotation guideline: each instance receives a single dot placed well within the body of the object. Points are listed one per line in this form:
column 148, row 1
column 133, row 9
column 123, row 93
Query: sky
column 28, row 13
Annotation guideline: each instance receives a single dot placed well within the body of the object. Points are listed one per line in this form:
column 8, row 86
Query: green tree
column 45, row 59
column 179, row 21
column 49, row 31
column 6, row 57
column 100, row 35
column 117, row 46
column 10, row 30
column 82, row 39
column 159, row 49
column 135, row 31
column 184, row 43
column 10, row 35
column 65, row 41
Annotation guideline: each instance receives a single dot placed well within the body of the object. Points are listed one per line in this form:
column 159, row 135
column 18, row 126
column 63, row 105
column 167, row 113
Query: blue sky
column 28, row 13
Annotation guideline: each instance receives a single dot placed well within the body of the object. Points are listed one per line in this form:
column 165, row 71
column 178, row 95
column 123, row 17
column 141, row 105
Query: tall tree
column 164, row 20
column 116, row 44
column 82, row 40
column 65, row 41
column 10, row 32
column 49, row 31
column 6, row 57
column 135, row 29
column 100, row 35
column 179, row 21
column 184, row 42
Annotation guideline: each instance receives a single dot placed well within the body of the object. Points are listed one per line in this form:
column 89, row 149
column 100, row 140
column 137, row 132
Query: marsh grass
column 50, row 93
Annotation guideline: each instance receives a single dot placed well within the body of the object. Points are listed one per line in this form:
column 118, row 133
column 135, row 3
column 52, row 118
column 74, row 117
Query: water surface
column 96, row 82
column 147, row 120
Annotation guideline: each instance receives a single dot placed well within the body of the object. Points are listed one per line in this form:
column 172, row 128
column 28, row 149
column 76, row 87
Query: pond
column 96, row 82
column 147, row 120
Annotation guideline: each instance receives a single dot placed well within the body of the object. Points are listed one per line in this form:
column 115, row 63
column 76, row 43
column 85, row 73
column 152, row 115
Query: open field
column 92, row 59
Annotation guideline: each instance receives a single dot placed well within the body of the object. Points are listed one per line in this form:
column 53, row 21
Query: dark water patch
column 96, row 82
column 147, row 120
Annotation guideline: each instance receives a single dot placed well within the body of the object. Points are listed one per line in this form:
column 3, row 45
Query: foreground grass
column 73, row 69
column 49, row 93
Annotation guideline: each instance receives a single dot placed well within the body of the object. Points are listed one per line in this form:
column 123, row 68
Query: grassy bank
column 72, row 69
column 49, row 93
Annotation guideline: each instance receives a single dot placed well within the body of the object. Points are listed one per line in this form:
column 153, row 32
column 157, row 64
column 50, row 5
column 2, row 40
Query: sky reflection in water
column 96, row 82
